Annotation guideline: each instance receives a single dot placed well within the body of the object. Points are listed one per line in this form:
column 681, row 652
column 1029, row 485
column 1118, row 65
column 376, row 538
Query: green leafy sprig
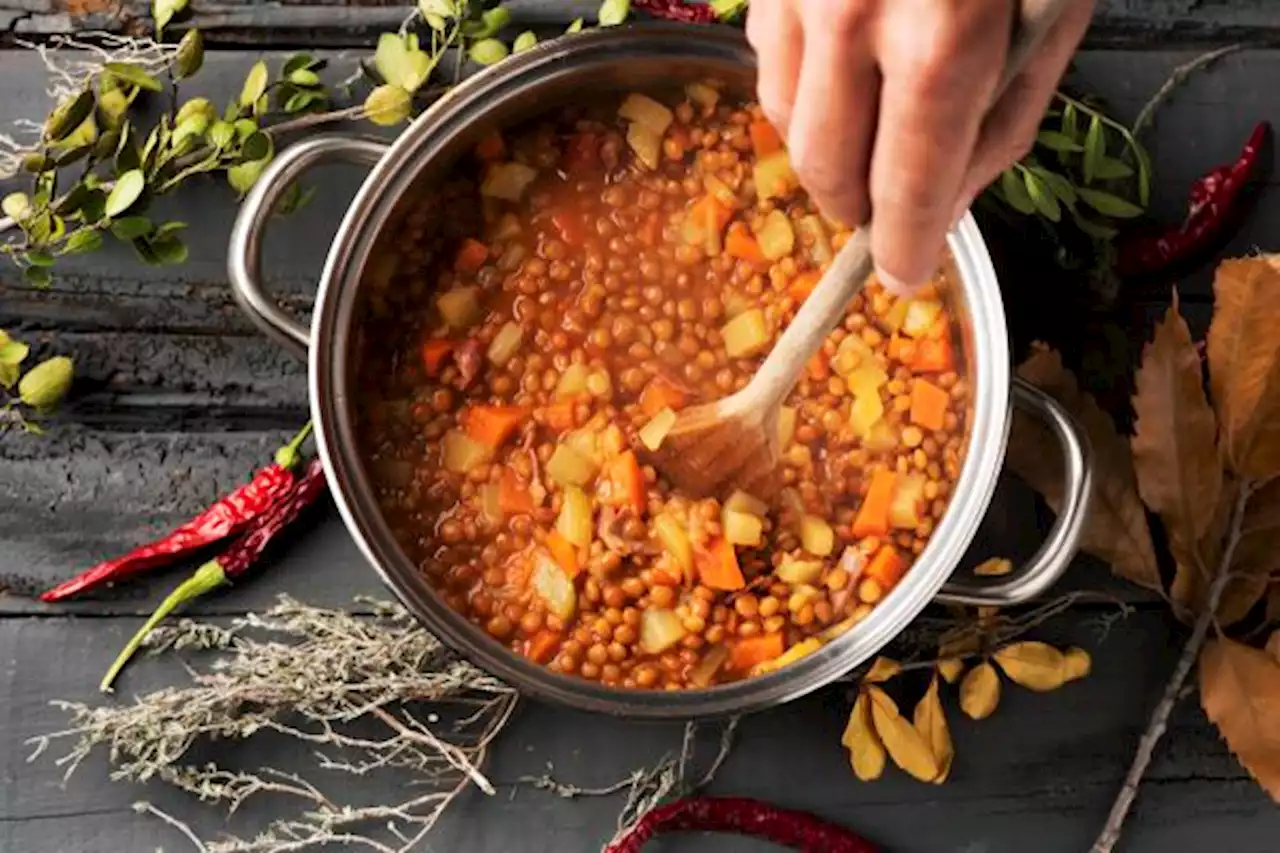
column 25, row 395
column 100, row 164
column 1086, row 170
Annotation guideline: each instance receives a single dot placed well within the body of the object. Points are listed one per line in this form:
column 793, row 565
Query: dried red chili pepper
column 743, row 816
column 239, row 557
column 677, row 10
column 230, row 514
column 1215, row 208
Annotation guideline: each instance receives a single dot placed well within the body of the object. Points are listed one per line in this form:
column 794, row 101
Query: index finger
column 941, row 65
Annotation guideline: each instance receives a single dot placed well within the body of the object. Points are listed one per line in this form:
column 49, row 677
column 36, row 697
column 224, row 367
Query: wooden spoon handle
column 842, row 281
column 821, row 312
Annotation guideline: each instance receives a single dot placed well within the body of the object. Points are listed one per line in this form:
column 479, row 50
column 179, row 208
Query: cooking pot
column 636, row 58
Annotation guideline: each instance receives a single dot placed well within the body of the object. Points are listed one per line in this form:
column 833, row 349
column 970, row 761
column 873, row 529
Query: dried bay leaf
column 950, row 669
column 1244, row 363
column 1077, row 662
column 1116, row 530
column 866, row 752
column 980, row 691
column 1033, row 664
column 931, row 721
column 1175, row 454
column 993, row 568
column 905, row 745
column 882, row 669
column 1240, row 694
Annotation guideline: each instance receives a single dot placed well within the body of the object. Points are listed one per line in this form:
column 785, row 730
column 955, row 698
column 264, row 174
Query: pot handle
column 1048, row 564
column 244, row 260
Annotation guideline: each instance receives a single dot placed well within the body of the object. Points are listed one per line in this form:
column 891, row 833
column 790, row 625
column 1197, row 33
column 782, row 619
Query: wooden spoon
column 734, row 441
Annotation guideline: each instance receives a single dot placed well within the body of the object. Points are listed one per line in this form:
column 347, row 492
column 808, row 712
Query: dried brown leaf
column 1033, row 664
column 1244, row 363
column 1256, row 559
column 931, row 722
column 866, row 752
column 1078, row 664
column 882, row 669
column 1273, row 646
column 1116, row 530
column 1240, row 693
column 1175, row 454
column 993, row 568
column 950, row 669
column 1273, row 603
column 980, row 691
column 906, row 746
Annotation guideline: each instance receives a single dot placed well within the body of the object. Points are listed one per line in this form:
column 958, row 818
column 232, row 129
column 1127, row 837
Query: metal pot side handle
column 244, row 257
column 1046, row 567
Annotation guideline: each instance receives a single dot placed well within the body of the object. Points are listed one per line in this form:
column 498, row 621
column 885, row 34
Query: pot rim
column 987, row 351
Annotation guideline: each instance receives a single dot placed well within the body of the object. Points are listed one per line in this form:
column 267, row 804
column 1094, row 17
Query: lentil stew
column 539, row 319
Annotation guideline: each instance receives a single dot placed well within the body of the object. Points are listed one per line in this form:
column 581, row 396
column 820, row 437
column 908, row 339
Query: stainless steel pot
column 555, row 73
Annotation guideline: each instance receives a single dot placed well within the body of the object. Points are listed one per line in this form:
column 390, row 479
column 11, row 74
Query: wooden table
column 178, row 398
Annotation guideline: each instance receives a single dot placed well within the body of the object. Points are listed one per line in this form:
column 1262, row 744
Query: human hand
column 886, row 105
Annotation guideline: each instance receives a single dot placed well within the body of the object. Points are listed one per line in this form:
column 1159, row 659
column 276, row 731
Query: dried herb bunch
column 1208, row 466
column 323, row 677
column 309, row 674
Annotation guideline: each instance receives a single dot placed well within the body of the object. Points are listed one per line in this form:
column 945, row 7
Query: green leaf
column 1070, row 123
column 1144, row 174
column 1095, row 148
column 401, row 64
column 37, row 276
column 221, row 134
column 169, row 251
column 1111, row 169
column 125, row 193
column 83, row 241
column 1094, row 229
column 243, row 176
column 94, row 206
column 299, row 62
column 8, row 375
column 127, row 155
column 12, row 352
column 1108, row 204
column 190, row 56
column 170, row 228
column 614, row 12
column 1046, row 203
column 245, row 128
column 575, row 27
column 71, row 203
column 255, row 84
column 1015, row 192
column 304, row 77
column 728, row 10
column 300, row 101
column 294, row 199
column 1055, row 141
column 131, row 228
column 489, row 23
column 387, row 105
column 68, row 116
column 164, row 10
column 527, row 40
column 134, row 75
column 1060, row 185
column 16, row 206
column 487, row 52
column 256, row 147
column 39, row 258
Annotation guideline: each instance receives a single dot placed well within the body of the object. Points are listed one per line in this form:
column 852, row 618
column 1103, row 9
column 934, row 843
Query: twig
column 1179, row 76
column 143, row 807
column 1159, row 721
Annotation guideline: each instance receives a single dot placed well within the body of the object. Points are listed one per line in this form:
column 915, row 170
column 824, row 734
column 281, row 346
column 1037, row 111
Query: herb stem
column 1159, row 721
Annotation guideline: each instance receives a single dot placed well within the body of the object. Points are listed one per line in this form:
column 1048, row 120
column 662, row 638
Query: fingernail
column 893, row 284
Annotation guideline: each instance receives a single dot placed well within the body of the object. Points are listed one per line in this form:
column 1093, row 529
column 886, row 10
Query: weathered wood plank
column 1135, row 24
column 1043, row 768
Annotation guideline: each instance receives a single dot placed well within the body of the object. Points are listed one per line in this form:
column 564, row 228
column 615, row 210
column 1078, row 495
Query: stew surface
column 531, row 329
